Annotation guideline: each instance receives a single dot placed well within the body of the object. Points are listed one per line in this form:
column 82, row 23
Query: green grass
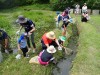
column 87, row 61
column 44, row 20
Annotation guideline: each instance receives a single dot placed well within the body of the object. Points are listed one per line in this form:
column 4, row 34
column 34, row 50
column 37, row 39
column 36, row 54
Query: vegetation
column 44, row 20
column 87, row 60
column 13, row 3
column 63, row 4
column 55, row 4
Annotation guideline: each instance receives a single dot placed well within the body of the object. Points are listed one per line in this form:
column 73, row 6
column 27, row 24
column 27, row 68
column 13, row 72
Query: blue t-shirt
column 3, row 35
column 22, row 42
column 28, row 25
column 45, row 57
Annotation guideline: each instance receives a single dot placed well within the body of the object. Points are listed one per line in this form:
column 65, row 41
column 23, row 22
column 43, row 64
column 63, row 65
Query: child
column 58, row 19
column 22, row 45
column 61, row 40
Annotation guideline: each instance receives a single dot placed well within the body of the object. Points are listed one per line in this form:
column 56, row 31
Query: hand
column 5, row 46
column 29, row 33
column 18, row 32
column 59, row 48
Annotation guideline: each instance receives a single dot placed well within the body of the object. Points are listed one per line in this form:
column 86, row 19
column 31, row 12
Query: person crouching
column 85, row 17
column 46, row 56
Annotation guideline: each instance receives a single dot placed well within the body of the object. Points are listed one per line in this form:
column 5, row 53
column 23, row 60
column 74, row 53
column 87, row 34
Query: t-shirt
column 3, row 35
column 60, row 42
column 84, row 8
column 77, row 6
column 45, row 57
column 46, row 40
column 22, row 43
column 28, row 25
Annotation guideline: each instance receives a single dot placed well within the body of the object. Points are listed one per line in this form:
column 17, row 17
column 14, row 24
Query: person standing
column 77, row 8
column 84, row 8
column 29, row 28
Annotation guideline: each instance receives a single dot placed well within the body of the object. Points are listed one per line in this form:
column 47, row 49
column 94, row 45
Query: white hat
column 21, row 19
column 51, row 49
column 50, row 35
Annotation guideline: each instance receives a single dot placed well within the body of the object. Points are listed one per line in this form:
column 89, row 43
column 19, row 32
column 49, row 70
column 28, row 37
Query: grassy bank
column 44, row 20
column 87, row 61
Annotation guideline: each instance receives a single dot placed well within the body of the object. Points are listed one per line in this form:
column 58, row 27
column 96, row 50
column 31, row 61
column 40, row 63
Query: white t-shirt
column 84, row 8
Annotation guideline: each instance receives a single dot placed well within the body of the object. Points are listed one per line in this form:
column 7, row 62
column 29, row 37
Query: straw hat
column 51, row 49
column 62, row 38
column 50, row 35
column 21, row 19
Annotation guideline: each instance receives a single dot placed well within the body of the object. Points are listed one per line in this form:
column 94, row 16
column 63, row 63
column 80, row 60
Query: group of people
column 84, row 17
column 49, row 42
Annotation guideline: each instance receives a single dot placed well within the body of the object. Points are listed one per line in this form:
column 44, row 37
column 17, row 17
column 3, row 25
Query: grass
column 87, row 61
column 44, row 20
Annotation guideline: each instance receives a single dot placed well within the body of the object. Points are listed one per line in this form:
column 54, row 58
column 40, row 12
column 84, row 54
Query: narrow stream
column 64, row 65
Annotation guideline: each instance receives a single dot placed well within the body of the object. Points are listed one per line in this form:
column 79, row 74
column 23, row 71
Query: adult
column 4, row 42
column 29, row 28
column 48, row 39
column 66, row 20
column 46, row 56
column 84, row 8
column 85, row 17
column 77, row 8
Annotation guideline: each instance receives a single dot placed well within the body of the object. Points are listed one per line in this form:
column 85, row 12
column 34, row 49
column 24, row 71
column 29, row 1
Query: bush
column 62, row 4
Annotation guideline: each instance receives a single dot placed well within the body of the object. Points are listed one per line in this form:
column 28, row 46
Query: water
column 64, row 66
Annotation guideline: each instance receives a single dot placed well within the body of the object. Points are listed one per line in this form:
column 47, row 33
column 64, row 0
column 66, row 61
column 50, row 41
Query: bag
column 34, row 60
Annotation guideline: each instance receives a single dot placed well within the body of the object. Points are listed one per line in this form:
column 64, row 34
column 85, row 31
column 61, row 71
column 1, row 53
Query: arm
column 32, row 30
column 6, row 43
column 18, row 46
column 20, row 28
column 57, row 42
column 19, row 50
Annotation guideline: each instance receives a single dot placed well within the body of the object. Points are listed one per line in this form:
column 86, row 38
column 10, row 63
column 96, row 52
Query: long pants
column 52, row 43
column 24, row 50
column 2, row 45
column 32, row 40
